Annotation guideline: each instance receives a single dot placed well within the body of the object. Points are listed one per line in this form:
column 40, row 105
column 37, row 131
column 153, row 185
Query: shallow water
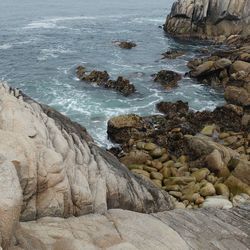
column 42, row 42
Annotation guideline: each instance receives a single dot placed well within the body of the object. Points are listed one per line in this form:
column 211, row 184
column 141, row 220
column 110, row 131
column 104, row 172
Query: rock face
column 209, row 19
column 61, row 171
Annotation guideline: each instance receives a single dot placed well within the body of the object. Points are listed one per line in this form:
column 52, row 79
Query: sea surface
column 42, row 42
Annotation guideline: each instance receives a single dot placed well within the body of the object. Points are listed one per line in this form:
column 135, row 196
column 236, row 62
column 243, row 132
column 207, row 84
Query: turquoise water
column 42, row 42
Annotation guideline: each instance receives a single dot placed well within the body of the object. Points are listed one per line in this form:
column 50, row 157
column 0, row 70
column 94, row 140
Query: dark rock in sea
column 102, row 78
column 167, row 78
column 171, row 109
column 208, row 19
column 80, row 71
column 125, row 44
column 99, row 77
column 122, row 85
column 172, row 54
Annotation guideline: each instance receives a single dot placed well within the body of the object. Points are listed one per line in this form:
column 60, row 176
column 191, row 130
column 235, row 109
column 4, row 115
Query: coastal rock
column 102, row 78
column 172, row 54
column 208, row 19
column 237, row 95
column 61, row 171
column 167, row 78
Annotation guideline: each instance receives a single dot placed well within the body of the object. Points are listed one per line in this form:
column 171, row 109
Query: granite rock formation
column 209, row 19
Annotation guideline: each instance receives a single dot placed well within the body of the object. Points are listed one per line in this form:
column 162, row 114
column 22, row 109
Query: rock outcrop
column 102, row 78
column 209, row 19
column 69, row 193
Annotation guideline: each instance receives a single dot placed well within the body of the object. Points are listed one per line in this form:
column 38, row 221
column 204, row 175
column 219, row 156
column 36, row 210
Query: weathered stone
column 168, row 79
column 176, row 194
column 207, row 190
column 166, row 172
column 217, row 202
column 150, row 146
column 208, row 19
column 156, row 175
column 183, row 180
column 222, row 189
column 172, row 188
column 236, row 186
column 157, row 164
column 140, row 172
column 156, row 153
column 135, row 157
column 200, row 174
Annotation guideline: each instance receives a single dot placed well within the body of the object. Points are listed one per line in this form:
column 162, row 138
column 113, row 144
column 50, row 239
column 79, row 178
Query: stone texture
column 61, row 171
column 209, row 19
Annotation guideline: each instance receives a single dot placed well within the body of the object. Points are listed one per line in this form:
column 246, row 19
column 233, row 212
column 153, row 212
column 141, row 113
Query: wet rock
column 124, row 127
column 125, row 44
column 121, row 85
column 99, row 77
column 102, row 78
column 80, row 71
column 172, row 54
column 173, row 109
column 217, row 202
column 168, row 79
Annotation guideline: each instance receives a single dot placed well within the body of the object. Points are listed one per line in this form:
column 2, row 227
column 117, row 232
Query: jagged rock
column 167, row 78
column 102, row 78
column 208, row 19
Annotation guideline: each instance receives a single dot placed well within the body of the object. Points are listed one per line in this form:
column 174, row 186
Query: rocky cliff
column 69, row 193
column 209, row 19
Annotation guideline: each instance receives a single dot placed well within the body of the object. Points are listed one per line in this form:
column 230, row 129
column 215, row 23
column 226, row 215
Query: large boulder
column 60, row 170
column 209, row 19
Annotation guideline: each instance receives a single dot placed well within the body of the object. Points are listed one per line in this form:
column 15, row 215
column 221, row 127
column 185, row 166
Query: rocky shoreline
column 195, row 156
column 177, row 180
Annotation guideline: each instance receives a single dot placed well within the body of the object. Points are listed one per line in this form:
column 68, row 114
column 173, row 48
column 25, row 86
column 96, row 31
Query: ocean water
column 42, row 42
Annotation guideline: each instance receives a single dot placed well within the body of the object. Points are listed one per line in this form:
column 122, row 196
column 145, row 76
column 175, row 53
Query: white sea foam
column 53, row 53
column 6, row 46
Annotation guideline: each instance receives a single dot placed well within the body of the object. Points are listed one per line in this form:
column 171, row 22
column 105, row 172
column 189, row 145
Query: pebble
column 150, row 146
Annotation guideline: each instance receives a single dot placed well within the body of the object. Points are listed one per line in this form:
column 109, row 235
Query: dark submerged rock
column 125, row 44
column 167, row 78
